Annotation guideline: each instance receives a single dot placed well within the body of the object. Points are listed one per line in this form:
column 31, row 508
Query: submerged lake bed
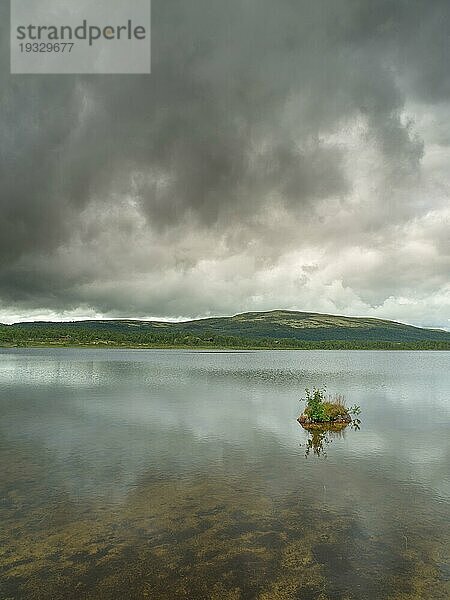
column 185, row 474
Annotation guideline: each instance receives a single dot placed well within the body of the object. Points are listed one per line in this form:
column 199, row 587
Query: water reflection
column 178, row 475
column 319, row 438
column 320, row 435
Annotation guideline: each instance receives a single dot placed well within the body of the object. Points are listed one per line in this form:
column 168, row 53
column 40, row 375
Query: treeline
column 24, row 335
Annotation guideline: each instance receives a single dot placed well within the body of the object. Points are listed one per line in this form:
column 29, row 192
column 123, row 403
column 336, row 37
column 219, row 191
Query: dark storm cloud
column 239, row 150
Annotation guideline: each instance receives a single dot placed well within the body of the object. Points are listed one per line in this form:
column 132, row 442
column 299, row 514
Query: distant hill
column 279, row 324
column 276, row 328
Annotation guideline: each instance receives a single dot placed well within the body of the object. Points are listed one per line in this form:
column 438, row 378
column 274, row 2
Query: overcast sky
column 282, row 154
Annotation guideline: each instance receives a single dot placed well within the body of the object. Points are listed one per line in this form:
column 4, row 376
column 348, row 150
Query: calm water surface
column 178, row 474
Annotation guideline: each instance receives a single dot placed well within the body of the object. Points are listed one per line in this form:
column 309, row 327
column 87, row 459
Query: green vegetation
column 321, row 408
column 271, row 330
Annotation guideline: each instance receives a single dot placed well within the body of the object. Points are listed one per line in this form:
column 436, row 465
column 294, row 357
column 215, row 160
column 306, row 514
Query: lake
column 184, row 474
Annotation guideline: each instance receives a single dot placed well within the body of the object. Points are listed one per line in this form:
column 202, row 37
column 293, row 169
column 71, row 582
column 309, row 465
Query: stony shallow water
column 178, row 474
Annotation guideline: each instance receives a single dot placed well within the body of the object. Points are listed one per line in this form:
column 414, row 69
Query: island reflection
column 177, row 475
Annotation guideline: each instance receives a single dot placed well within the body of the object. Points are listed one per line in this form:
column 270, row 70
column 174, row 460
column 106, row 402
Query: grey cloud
column 237, row 149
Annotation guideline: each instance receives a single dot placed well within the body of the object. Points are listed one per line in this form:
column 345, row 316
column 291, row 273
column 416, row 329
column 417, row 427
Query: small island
column 327, row 412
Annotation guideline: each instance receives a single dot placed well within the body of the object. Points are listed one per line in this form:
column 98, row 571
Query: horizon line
column 187, row 320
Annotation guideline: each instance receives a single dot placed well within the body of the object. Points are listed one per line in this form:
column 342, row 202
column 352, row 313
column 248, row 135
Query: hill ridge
column 275, row 328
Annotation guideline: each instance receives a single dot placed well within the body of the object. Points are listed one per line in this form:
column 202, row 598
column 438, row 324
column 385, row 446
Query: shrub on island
column 325, row 410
